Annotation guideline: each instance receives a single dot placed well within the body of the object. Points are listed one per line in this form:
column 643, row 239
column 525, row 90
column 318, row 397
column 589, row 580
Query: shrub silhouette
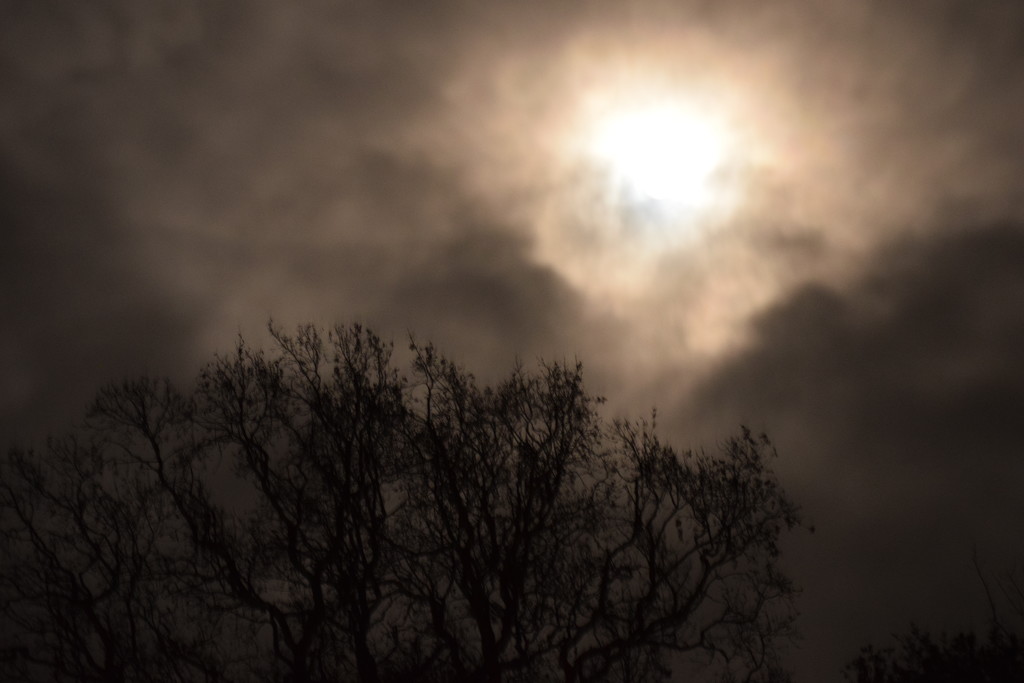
column 921, row 657
column 309, row 513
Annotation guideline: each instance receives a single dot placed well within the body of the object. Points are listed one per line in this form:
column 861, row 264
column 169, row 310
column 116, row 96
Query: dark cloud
column 895, row 403
column 487, row 302
column 78, row 305
column 175, row 174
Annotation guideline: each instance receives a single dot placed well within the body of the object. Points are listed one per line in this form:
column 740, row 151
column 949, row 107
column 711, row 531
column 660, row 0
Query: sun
column 646, row 175
column 664, row 153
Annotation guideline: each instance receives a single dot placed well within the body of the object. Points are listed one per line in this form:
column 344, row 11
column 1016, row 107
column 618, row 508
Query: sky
column 851, row 281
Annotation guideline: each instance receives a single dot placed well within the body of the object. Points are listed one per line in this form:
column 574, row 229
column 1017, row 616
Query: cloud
column 895, row 403
column 79, row 307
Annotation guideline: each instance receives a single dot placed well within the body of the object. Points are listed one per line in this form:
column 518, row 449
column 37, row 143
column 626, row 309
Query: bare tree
column 313, row 431
column 86, row 591
column 309, row 514
column 506, row 487
column 684, row 563
column 545, row 543
column 309, row 436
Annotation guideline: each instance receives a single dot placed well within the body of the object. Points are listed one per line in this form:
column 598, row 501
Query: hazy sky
column 175, row 173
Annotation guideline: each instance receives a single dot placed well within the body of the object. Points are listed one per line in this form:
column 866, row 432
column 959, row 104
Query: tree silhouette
column 312, row 514
column 921, row 657
column 88, row 583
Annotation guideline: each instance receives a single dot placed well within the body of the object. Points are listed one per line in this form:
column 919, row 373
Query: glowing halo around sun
column 649, row 176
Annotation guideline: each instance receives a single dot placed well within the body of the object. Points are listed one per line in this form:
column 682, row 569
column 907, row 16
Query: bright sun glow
column 647, row 177
column 662, row 153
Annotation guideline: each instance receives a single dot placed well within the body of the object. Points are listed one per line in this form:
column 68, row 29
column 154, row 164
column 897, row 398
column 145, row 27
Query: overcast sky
column 175, row 173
